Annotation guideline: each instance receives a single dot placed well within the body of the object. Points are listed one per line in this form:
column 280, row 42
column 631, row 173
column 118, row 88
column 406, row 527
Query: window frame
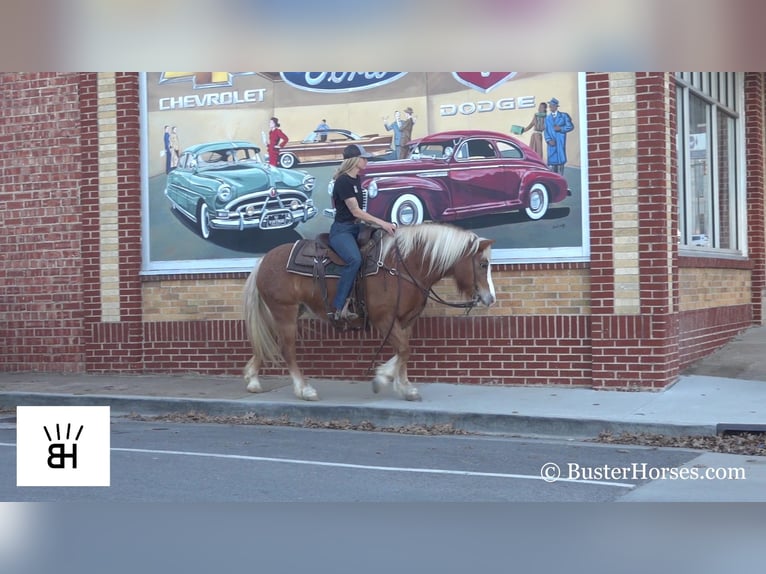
column 729, row 86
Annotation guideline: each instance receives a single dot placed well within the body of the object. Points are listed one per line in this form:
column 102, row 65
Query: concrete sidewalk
column 735, row 398
column 696, row 404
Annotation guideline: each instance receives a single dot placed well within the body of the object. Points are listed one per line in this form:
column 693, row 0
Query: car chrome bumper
column 272, row 219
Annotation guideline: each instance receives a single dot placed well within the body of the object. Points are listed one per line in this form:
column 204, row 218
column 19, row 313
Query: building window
column 711, row 162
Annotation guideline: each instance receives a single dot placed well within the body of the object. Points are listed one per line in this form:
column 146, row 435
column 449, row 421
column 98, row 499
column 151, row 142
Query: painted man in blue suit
column 557, row 125
column 396, row 127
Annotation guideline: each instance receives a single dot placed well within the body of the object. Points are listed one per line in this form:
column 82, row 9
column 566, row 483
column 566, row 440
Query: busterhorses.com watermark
column 636, row 471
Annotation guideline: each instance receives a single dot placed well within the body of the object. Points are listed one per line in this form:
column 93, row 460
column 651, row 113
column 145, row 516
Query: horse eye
column 484, row 264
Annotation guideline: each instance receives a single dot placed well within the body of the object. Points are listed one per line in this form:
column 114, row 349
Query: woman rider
column 347, row 198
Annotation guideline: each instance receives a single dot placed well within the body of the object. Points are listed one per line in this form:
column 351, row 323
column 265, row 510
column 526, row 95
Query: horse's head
column 445, row 250
column 473, row 273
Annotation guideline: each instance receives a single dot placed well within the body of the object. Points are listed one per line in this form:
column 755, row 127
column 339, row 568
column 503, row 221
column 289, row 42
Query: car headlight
column 308, row 183
column 224, row 192
column 330, row 187
column 372, row 189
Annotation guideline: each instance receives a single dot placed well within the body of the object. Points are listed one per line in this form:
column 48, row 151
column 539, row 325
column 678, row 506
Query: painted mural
column 236, row 163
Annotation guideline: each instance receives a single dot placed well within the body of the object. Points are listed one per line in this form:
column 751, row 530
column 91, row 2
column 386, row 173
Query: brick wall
column 705, row 330
column 705, row 287
column 42, row 275
column 521, row 290
column 755, row 91
column 115, row 337
column 486, row 350
column 73, row 299
column 194, row 299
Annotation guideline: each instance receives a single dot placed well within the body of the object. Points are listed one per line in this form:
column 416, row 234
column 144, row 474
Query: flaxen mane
column 440, row 245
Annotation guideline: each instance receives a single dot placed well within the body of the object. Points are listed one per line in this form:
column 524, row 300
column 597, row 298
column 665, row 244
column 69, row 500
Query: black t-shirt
column 345, row 187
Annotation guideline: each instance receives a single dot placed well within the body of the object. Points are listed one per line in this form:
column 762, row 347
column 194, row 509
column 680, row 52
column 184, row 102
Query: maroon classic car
column 459, row 174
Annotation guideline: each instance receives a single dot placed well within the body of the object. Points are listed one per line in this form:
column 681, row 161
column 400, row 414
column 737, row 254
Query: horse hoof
column 378, row 383
column 254, row 387
column 412, row 395
column 309, row 394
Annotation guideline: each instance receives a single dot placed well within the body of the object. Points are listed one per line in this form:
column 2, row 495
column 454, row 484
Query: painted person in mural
column 538, row 124
column 557, row 125
column 396, row 127
column 323, row 127
column 168, row 151
column 406, row 129
column 175, row 147
column 277, row 140
column 347, row 199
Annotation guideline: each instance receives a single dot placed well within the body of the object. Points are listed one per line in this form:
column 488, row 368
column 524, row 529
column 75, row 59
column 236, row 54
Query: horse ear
column 484, row 243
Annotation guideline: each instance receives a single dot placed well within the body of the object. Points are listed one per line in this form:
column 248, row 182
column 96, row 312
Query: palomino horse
column 414, row 259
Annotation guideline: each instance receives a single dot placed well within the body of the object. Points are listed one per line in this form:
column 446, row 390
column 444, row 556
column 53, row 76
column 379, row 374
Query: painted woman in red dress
column 277, row 139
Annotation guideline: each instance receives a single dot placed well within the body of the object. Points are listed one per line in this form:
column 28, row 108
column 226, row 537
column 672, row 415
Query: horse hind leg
column 251, row 375
column 288, row 330
column 301, row 388
column 260, row 329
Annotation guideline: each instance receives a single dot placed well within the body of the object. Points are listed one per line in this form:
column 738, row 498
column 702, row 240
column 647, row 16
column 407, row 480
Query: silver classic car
column 225, row 185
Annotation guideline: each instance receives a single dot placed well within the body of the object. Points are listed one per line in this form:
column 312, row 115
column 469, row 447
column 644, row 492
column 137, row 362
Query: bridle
column 429, row 292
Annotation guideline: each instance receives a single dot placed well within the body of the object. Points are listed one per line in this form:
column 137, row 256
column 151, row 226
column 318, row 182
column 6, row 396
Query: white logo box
column 51, row 440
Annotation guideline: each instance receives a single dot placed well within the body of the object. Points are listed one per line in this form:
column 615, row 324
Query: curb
column 297, row 413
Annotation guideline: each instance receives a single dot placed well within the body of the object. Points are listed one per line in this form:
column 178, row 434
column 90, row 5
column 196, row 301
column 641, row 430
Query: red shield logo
column 483, row 81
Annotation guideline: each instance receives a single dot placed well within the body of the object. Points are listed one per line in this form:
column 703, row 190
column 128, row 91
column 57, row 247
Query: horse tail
column 259, row 322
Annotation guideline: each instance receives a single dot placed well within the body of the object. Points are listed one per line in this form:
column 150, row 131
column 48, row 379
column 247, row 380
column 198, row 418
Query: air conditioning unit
column 698, row 142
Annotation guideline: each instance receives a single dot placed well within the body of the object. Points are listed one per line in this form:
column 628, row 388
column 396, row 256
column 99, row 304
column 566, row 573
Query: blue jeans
column 343, row 242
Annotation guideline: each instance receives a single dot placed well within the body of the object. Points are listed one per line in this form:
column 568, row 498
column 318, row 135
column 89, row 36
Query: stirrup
column 346, row 314
column 342, row 315
column 351, row 322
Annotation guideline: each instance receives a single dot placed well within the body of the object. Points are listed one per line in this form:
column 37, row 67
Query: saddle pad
column 306, row 251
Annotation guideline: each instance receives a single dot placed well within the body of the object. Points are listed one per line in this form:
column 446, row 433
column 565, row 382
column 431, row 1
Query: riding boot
column 345, row 319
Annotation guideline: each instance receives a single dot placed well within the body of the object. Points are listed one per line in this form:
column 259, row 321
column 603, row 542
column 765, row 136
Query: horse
column 413, row 260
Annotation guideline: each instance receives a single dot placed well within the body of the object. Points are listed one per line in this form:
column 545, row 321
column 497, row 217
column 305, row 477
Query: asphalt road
column 182, row 462
column 210, row 470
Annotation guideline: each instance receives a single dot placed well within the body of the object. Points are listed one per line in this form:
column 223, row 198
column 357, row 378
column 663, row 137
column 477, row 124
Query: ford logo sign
column 339, row 81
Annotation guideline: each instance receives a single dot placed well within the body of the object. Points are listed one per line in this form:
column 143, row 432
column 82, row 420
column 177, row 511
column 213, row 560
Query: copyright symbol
column 550, row 472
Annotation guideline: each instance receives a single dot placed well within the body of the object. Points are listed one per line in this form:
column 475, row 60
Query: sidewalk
column 697, row 403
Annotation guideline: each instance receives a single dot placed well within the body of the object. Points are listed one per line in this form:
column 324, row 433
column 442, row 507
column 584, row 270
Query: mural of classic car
column 226, row 185
column 459, row 174
column 327, row 145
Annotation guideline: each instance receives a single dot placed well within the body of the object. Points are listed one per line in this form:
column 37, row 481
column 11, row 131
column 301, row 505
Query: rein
column 429, row 292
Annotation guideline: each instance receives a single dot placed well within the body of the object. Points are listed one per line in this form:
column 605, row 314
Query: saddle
column 315, row 258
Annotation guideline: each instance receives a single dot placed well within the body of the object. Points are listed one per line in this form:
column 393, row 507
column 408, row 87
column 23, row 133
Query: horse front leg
column 384, row 374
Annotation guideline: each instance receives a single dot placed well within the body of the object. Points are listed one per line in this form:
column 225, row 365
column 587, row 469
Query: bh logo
column 53, row 447
column 57, row 451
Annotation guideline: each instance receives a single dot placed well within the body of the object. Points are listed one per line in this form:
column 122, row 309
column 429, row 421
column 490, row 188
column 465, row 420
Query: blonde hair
column 347, row 166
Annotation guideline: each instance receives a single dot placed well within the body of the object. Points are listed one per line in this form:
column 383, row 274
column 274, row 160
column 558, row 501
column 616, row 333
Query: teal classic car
column 225, row 185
